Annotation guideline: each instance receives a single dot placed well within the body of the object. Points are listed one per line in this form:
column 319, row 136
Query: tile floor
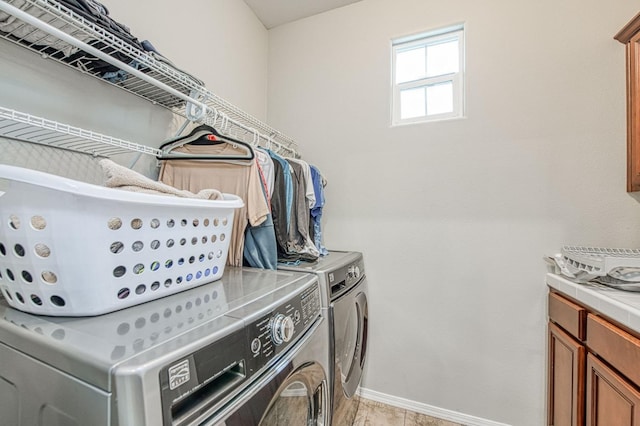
column 372, row 413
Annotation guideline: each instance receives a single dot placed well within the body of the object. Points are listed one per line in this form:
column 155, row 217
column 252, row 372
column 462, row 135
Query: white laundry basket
column 69, row 248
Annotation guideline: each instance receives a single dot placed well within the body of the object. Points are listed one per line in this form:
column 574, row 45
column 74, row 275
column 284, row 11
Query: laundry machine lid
column 336, row 259
column 90, row 348
column 337, row 272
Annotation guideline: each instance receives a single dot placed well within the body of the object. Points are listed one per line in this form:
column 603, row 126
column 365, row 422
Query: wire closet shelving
column 56, row 32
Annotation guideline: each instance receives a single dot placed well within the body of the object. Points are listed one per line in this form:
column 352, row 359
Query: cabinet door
column 633, row 114
column 611, row 400
column 566, row 379
column 630, row 36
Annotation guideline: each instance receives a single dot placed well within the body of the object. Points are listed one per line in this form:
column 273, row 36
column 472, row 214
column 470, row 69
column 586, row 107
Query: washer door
column 351, row 330
column 297, row 404
column 285, row 396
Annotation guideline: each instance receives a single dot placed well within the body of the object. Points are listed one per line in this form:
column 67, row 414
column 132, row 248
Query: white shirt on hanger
column 266, row 164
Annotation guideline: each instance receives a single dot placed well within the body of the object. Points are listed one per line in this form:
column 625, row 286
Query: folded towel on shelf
column 120, row 177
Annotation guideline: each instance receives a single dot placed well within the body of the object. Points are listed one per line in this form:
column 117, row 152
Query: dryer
column 239, row 351
column 344, row 298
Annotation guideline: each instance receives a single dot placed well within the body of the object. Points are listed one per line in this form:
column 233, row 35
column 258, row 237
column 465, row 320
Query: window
column 428, row 76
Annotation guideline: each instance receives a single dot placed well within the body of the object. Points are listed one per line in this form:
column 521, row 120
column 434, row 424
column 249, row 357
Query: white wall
column 454, row 217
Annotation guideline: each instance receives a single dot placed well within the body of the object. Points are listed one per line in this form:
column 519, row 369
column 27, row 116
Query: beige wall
column 454, row 217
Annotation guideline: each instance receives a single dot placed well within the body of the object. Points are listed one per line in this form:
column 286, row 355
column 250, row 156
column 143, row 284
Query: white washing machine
column 248, row 349
column 344, row 297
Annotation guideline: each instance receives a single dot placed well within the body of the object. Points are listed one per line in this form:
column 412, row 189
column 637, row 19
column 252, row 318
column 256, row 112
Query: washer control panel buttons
column 353, row 272
column 274, row 332
column 255, row 345
column 282, row 328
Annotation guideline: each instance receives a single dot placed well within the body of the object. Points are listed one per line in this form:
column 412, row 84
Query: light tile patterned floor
column 372, row 413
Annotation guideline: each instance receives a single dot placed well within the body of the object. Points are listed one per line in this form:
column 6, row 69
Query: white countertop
column 619, row 305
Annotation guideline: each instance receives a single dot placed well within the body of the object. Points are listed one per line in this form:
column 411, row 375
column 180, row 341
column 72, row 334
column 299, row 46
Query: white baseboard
column 429, row 410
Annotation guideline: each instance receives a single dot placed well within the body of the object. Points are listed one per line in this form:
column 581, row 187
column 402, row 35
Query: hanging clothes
column 299, row 226
column 240, row 179
column 290, row 243
column 279, row 209
column 285, row 187
column 260, row 247
column 266, row 165
column 310, row 194
column 315, row 227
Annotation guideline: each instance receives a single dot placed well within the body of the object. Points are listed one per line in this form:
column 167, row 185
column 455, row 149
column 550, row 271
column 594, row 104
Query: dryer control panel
column 345, row 277
column 275, row 332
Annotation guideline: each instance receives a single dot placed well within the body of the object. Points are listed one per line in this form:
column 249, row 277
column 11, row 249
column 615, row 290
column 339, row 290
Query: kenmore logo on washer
column 179, row 374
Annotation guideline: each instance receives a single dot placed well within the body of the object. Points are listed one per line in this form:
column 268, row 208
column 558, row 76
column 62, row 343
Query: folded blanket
column 120, row 177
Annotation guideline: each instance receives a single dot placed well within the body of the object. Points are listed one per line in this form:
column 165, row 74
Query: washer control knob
column 353, row 272
column 282, row 328
column 255, row 346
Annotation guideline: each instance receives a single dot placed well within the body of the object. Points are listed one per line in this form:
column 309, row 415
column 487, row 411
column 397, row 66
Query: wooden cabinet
column 611, row 400
column 566, row 379
column 593, row 370
column 567, row 352
column 630, row 37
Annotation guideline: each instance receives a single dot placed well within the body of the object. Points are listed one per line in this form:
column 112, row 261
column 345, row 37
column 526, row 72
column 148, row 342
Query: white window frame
column 425, row 39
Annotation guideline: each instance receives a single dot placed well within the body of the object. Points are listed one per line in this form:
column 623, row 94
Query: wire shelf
column 25, row 127
column 56, row 32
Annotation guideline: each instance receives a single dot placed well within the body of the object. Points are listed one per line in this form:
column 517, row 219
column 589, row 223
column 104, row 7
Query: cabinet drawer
column 568, row 315
column 619, row 348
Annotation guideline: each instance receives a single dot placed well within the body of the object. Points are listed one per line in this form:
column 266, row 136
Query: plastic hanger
column 204, row 135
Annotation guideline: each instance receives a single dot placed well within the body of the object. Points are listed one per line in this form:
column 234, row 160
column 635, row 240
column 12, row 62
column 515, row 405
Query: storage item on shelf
column 96, row 13
column 91, row 11
column 614, row 267
column 618, row 263
column 68, row 248
column 17, row 30
column 73, row 31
